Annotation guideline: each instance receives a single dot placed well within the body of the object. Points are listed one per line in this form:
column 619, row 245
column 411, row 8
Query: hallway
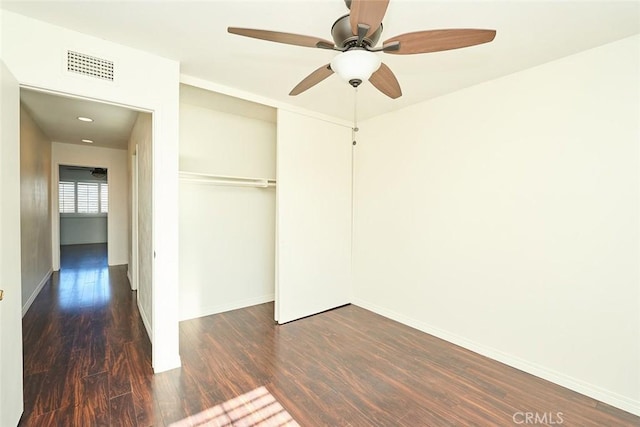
column 87, row 358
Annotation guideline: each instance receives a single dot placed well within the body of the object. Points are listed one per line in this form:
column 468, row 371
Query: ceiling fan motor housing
column 344, row 37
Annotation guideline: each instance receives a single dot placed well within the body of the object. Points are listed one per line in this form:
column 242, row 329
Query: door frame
column 133, row 268
column 11, row 365
column 55, row 211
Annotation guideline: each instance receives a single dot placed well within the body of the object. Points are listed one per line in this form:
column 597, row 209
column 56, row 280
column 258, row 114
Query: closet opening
column 227, row 203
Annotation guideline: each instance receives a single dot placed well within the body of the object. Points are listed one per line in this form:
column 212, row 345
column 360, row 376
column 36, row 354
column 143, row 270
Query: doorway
column 83, row 209
column 93, row 138
column 91, row 179
column 82, row 199
column 143, row 82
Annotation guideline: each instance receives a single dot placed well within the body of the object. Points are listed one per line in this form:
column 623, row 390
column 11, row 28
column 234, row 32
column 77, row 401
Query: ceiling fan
column 356, row 34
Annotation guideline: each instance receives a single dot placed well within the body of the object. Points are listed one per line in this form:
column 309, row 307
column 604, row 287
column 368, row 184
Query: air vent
column 89, row 65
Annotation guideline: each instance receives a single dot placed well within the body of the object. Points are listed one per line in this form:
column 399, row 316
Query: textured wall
column 35, row 207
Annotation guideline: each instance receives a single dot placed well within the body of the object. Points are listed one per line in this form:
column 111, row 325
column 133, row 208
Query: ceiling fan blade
column 276, row 36
column 312, row 79
column 385, row 81
column 439, row 40
column 367, row 12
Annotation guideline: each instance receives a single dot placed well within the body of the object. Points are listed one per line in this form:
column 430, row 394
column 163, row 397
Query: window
column 83, row 197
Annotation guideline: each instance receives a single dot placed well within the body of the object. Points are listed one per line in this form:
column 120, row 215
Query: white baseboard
column 593, row 391
column 36, row 292
column 159, row 364
column 129, row 278
column 221, row 308
column 145, row 319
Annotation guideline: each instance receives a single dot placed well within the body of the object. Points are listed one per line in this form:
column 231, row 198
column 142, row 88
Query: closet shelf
column 235, row 181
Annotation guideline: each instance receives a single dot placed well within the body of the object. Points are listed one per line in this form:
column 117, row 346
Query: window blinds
column 83, row 197
column 67, row 197
column 104, row 198
column 88, row 198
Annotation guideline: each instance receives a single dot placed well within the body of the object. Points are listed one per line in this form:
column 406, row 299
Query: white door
column 313, row 216
column 11, row 404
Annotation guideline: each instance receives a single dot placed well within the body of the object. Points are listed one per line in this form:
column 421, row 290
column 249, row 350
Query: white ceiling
column 529, row 33
column 57, row 116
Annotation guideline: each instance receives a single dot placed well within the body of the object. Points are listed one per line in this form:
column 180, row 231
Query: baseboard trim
column 129, row 278
column 164, row 363
column 221, row 308
column 587, row 389
column 145, row 319
column 36, row 292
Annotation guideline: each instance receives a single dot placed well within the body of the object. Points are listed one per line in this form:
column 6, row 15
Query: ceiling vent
column 89, row 66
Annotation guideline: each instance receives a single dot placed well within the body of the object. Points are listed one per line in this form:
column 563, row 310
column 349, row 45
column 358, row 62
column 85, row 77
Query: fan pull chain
column 355, row 129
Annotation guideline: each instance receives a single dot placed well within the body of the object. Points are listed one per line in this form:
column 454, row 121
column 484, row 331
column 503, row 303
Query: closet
column 251, row 232
column 227, row 202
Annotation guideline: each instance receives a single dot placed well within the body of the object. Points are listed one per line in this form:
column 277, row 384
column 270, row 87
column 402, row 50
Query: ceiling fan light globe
column 355, row 65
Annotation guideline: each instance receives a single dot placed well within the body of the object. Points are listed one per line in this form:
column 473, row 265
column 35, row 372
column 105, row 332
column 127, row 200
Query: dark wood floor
column 87, row 362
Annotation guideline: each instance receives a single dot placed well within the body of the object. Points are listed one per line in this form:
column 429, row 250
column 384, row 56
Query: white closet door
column 313, row 216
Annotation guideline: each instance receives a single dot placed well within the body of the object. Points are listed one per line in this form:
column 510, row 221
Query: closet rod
column 238, row 181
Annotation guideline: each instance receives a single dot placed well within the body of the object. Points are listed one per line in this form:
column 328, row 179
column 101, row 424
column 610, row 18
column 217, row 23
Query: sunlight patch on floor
column 258, row 408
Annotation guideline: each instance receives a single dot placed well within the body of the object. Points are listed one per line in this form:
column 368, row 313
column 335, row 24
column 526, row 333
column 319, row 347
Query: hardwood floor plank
column 94, row 407
column 147, row 410
column 616, row 417
column 123, row 411
column 90, row 409
column 97, row 353
column 61, row 417
column 58, row 389
column 119, row 371
column 167, row 399
column 33, row 385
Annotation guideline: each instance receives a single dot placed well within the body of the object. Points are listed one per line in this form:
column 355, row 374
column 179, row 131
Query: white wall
column 117, row 221
column 227, row 234
column 34, row 52
column 35, row 208
column 504, row 218
column 82, row 230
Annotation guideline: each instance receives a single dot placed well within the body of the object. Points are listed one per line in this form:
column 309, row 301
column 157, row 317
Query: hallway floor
column 87, row 358
column 87, row 362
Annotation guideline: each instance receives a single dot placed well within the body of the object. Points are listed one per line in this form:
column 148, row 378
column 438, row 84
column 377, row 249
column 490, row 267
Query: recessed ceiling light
column 88, row 141
column 85, row 119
